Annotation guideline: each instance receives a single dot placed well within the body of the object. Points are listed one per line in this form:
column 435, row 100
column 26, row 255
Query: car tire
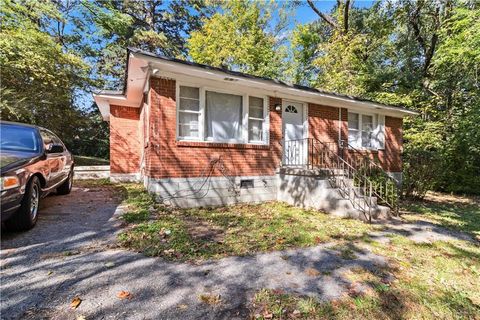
column 26, row 216
column 67, row 185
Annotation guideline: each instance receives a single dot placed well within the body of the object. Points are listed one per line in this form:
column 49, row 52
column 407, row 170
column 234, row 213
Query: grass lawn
column 199, row 234
column 452, row 212
column 90, row 161
column 439, row 280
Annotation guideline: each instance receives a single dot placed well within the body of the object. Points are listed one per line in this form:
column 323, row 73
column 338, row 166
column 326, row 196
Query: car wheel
column 67, row 185
column 26, row 216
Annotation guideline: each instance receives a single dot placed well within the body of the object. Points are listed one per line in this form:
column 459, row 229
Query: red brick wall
column 323, row 122
column 169, row 158
column 125, row 146
column 392, row 157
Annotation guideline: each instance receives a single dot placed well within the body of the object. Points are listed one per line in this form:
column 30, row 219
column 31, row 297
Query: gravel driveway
column 72, row 252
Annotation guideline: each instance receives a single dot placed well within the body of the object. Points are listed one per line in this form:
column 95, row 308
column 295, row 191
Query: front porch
column 336, row 178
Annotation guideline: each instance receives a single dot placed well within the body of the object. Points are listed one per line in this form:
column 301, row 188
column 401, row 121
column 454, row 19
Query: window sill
column 365, row 150
column 228, row 145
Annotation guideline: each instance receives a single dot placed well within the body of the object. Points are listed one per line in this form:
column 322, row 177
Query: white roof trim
column 141, row 66
column 173, row 67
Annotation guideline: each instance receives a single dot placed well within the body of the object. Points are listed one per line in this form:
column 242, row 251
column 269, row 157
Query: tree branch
column 414, row 22
column 325, row 17
column 345, row 15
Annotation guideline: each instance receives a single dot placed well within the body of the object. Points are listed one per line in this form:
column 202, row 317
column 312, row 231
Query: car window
column 47, row 137
column 18, row 138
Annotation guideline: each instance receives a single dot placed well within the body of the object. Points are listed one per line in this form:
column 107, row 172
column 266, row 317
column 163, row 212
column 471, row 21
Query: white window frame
column 265, row 124
column 360, row 128
column 202, row 128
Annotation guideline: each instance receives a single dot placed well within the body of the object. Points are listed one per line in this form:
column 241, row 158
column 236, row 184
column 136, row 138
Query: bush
column 421, row 172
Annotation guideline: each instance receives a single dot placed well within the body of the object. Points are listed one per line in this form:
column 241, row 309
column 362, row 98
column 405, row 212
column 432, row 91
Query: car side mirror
column 55, row 148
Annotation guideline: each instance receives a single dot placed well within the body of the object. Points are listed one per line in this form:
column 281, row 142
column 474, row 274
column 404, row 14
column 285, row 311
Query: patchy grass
column 205, row 233
column 438, row 280
column 423, row 280
column 427, row 281
column 90, row 161
column 453, row 212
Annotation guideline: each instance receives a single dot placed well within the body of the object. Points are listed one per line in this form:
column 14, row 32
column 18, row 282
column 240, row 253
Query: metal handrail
column 314, row 153
column 361, row 201
column 311, row 152
column 387, row 192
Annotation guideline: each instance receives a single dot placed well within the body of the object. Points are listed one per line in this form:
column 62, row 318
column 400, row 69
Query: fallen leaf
column 182, row 306
column 75, row 302
column 312, row 272
column 80, row 317
column 278, row 291
column 124, row 295
column 267, row 314
column 211, row 299
column 109, row 264
column 49, row 273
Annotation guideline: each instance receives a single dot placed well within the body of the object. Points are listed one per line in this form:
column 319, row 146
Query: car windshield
column 18, row 138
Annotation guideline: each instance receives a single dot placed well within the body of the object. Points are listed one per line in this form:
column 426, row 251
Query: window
column 256, row 119
column 189, row 112
column 223, row 116
column 353, row 129
column 366, row 130
column 291, row 109
column 214, row 116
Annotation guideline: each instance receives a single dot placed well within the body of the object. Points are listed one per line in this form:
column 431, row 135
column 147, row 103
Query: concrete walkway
column 71, row 252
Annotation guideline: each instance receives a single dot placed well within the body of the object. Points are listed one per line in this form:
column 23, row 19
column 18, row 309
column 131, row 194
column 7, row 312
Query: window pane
column 353, row 138
column 256, row 107
column 189, row 104
column 256, row 112
column 367, row 131
column 367, row 123
column 223, row 116
column 353, row 121
column 367, row 139
column 188, row 124
column 189, row 92
column 255, row 130
column 255, row 102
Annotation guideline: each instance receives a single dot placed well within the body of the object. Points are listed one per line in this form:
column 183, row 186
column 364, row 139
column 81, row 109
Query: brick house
column 197, row 135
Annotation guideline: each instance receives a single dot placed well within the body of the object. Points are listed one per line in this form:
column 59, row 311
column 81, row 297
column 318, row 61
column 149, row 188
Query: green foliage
column 41, row 77
column 304, row 43
column 422, row 55
column 238, row 38
column 421, row 169
column 154, row 26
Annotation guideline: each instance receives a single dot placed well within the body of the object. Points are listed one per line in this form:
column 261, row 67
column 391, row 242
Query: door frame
column 304, row 119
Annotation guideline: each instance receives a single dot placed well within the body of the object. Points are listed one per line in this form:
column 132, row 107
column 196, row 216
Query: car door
column 55, row 161
column 64, row 158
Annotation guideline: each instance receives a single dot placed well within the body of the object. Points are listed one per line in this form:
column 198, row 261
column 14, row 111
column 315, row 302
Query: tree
column 241, row 38
column 150, row 25
column 422, row 55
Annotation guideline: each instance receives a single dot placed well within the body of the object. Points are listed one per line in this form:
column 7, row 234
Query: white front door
column 294, row 147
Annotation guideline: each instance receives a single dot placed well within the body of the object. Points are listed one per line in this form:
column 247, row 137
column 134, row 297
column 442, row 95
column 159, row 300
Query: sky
column 305, row 14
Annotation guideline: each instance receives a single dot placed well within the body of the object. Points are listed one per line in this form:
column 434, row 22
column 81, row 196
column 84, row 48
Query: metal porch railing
column 357, row 177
